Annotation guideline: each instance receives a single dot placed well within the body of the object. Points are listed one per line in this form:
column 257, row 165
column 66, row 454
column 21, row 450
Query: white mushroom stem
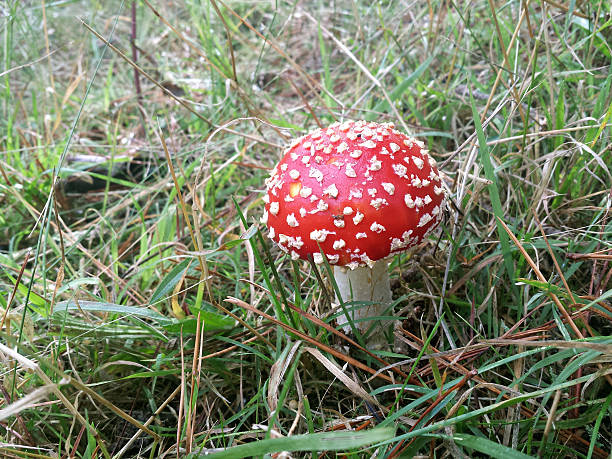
column 364, row 284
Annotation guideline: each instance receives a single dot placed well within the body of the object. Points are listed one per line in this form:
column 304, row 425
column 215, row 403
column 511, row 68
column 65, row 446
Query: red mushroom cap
column 359, row 190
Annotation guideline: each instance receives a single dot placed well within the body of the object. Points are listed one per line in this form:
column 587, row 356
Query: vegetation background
column 142, row 313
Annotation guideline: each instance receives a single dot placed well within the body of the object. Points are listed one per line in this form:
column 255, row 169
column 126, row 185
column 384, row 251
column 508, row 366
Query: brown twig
column 305, row 337
column 15, row 287
column 397, row 451
column 135, row 53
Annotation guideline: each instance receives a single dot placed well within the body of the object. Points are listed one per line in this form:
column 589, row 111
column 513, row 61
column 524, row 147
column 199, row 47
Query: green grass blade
column 604, row 410
column 95, row 306
column 493, row 187
column 325, row 441
column 383, row 105
column 488, row 447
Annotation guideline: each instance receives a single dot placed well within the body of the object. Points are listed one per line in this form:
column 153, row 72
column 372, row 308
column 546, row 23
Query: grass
column 145, row 315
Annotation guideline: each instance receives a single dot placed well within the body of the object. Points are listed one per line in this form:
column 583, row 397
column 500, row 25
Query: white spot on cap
column 400, row 170
column 319, row 235
column 425, row 218
column 350, row 172
column 368, row 144
column 331, row 191
column 357, row 218
column 291, row 241
column 305, row 192
column 377, row 227
column 339, row 244
column 361, row 236
column 334, row 138
column 418, row 162
column 284, row 166
column 355, row 154
column 418, row 202
column 416, row 182
column 288, row 198
column 347, row 210
column 305, row 159
column 438, row 190
column 427, row 199
column 292, row 221
column 317, row 257
column 384, row 151
column 333, row 259
column 375, row 164
column 322, row 206
column 408, row 142
column 352, row 265
column 435, row 210
column 339, row 222
column 294, row 156
column 302, row 212
column 378, row 203
column 396, row 244
column 264, row 217
column 316, row 134
column 274, row 207
column 271, row 233
column 316, row 174
column 355, row 193
column 367, row 132
column 425, row 182
column 394, row 147
column 388, row 187
column 294, row 255
column 408, row 200
column 306, row 145
column 266, row 199
column 432, row 162
column 342, row 147
column 372, row 191
column 272, row 181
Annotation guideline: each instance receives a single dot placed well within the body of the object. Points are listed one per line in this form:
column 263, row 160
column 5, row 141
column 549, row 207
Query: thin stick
column 148, row 422
column 135, row 52
column 541, row 277
column 15, row 288
column 182, row 399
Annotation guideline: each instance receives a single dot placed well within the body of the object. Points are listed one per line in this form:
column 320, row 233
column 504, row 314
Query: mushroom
column 355, row 193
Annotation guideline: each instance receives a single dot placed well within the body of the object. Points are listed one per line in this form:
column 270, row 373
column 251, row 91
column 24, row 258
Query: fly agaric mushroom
column 356, row 193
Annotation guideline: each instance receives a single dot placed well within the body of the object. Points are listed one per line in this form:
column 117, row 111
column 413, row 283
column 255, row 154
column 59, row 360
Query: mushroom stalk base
column 364, row 284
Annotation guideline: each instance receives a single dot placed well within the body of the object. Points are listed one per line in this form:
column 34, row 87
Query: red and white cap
column 360, row 191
